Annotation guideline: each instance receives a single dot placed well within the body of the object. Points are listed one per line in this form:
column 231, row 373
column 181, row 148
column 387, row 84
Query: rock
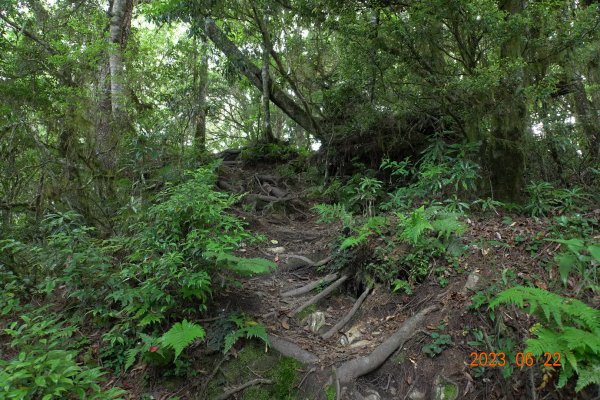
column 315, row 321
column 372, row 395
column 444, row 389
column 352, row 335
column 360, row 343
column 276, row 250
column 471, row 282
column 416, row 394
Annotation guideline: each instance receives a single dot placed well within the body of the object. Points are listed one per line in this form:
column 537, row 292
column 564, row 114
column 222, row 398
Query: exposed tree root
column 342, row 322
column 308, row 261
column 222, row 184
column 204, row 386
column 312, row 285
column 275, row 180
column 290, row 349
column 232, row 391
column 323, row 261
column 349, row 371
column 320, row 296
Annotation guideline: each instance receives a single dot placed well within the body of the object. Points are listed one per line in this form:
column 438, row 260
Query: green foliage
column 545, row 199
column 330, row 392
column 366, row 192
column 578, row 255
column 397, row 168
column 400, row 284
column 371, row 226
column 269, row 152
column 438, row 345
column 46, row 365
column 415, row 225
column 568, row 326
column 181, row 335
column 245, row 328
column 329, row 213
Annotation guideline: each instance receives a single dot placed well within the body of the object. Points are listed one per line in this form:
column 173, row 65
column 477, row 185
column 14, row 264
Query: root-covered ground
column 355, row 341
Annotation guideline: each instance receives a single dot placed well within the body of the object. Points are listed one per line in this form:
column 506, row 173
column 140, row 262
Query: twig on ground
column 310, row 371
column 204, row 386
column 258, row 381
column 308, row 287
column 318, row 297
column 342, row 322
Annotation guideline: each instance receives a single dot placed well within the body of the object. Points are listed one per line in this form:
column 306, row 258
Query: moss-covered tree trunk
column 505, row 153
column 201, row 84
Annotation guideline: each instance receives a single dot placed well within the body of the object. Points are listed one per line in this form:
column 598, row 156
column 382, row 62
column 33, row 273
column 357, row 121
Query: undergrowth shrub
column 445, row 173
column 565, row 326
column 138, row 287
column 45, row 365
column 402, row 249
column 544, row 199
column 582, row 256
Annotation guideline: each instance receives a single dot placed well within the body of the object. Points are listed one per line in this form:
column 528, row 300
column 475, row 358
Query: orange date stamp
column 499, row 359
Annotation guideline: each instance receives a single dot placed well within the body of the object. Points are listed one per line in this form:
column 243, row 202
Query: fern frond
column 130, row 356
column 250, row 330
column 257, row 331
column 587, row 377
column 415, row 226
column 181, row 335
column 448, row 225
column 231, row 339
column 553, row 306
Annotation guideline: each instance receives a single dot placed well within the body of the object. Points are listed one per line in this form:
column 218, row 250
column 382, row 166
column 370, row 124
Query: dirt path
column 367, row 342
column 385, row 333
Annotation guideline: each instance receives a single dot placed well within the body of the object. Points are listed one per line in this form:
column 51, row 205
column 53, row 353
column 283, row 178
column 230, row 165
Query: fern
column 245, row 328
column 415, row 225
column 552, row 305
column 447, row 225
column 571, row 328
column 333, row 212
column 181, row 335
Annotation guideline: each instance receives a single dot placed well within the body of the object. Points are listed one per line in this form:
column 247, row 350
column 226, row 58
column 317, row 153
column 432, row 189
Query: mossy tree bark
column 505, row 155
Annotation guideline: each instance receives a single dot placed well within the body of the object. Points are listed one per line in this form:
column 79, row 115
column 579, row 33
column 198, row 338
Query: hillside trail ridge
column 364, row 341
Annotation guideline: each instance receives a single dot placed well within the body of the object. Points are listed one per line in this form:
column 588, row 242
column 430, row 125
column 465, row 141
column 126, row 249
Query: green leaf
column 40, row 381
column 566, row 261
column 181, row 335
column 594, row 251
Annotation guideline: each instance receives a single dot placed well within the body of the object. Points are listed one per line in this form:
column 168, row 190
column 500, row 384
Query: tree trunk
column 254, row 75
column 120, row 22
column 266, row 120
column 587, row 117
column 507, row 162
column 112, row 87
column 201, row 83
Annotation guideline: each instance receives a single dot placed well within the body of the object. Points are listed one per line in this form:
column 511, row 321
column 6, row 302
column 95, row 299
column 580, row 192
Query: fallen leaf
column 285, row 325
column 274, row 241
column 541, row 285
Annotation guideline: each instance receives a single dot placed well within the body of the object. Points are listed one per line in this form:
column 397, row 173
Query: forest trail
column 302, row 249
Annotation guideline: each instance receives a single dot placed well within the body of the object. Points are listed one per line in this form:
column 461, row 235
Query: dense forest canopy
column 112, row 114
column 92, row 89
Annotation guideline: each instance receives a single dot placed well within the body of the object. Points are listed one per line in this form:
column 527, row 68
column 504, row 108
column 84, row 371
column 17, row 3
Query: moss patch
column 252, row 361
column 306, row 312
